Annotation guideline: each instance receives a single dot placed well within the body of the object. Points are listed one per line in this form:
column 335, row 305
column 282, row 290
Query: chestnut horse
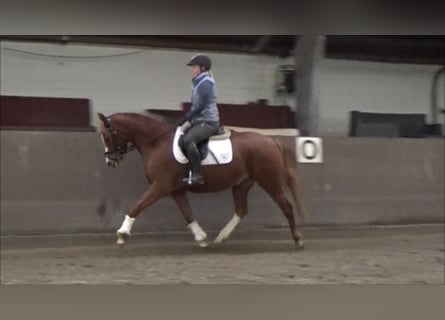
column 268, row 161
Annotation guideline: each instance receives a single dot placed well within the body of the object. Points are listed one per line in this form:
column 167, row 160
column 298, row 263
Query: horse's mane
column 146, row 117
column 133, row 115
column 141, row 124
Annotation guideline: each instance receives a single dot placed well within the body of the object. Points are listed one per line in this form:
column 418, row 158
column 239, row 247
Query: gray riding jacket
column 203, row 100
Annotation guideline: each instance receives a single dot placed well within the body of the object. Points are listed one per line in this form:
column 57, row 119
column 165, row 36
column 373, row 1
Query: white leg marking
column 125, row 230
column 227, row 230
column 200, row 235
column 126, row 225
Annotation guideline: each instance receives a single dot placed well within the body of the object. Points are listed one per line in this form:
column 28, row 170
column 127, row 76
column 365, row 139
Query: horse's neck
column 141, row 130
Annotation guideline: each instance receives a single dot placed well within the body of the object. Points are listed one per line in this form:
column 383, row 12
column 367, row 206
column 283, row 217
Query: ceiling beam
column 261, row 43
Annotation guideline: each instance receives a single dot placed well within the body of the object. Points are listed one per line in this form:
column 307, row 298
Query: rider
column 203, row 115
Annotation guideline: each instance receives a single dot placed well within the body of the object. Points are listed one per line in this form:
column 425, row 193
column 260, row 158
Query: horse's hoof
column 203, row 243
column 121, row 239
column 218, row 240
column 299, row 244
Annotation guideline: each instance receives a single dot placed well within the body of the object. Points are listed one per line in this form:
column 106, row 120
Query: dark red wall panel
column 44, row 113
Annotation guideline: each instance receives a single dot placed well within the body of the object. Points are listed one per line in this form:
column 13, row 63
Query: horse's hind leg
column 276, row 191
column 239, row 193
column 286, row 208
column 182, row 202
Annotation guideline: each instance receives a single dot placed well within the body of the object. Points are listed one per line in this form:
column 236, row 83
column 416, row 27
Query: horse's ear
column 102, row 117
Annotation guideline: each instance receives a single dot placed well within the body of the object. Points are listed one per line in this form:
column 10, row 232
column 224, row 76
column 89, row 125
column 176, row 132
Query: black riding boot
column 195, row 164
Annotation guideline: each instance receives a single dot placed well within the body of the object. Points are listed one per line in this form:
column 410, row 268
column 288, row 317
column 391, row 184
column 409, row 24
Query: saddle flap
column 213, row 151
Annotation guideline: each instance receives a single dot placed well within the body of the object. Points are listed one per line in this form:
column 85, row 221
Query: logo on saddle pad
column 218, row 149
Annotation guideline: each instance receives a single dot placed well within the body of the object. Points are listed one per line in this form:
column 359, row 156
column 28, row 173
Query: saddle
column 203, row 146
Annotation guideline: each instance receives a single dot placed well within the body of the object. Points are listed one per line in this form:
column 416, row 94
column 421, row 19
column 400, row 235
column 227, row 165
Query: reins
column 129, row 147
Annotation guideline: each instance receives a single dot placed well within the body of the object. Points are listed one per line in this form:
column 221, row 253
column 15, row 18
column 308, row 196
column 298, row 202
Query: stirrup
column 193, row 180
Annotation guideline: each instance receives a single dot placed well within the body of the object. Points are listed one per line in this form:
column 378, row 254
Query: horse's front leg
column 149, row 197
column 181, row 201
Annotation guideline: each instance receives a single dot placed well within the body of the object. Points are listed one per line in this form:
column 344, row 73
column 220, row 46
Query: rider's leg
column 194, row 135
column 195, row 164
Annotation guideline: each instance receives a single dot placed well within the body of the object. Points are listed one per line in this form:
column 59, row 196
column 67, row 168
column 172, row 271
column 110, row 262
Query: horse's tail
column 291, row 173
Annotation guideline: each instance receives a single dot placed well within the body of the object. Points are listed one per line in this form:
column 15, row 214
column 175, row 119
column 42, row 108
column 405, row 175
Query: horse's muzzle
column 112, row 162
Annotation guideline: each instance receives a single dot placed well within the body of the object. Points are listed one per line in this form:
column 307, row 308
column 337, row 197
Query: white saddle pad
column 220, row 151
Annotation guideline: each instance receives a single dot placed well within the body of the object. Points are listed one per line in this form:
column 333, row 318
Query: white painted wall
column 120, row 79
column 372, row 87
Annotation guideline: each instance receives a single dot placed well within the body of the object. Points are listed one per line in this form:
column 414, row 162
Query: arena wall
column 57, row 182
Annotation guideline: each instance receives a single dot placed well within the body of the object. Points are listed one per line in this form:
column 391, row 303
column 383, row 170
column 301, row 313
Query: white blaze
column 103, row 141
column 106, row 148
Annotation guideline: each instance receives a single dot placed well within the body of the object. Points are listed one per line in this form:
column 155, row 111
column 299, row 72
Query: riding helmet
column 201, row 60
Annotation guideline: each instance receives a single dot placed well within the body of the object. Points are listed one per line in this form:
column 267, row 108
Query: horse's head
column 115, row 145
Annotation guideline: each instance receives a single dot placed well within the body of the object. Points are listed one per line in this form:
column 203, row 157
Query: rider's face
column 196, row 70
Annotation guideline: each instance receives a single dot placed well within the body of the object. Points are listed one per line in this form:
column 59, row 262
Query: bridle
column 120, row 150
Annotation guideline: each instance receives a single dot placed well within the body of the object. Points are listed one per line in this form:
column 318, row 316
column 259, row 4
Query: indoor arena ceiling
column 406, row 49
